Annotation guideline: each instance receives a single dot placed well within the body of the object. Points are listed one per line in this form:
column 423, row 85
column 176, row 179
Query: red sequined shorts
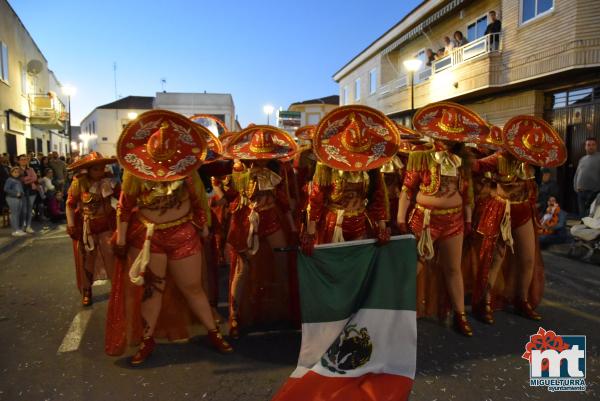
column 443, row 223
column 176, row 242
column 353, row 227
column 493, row 213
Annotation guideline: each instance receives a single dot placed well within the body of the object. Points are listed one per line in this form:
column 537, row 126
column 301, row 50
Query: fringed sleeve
column 321, row 184
column 379, row 205
column 199, row 200
column 74, row 193
column 417, row 163
column 128, row 198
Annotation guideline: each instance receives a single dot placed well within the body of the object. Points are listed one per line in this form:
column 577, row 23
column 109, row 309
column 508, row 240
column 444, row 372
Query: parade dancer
column 157, row 287
column 305, row 163
column 91, row 221
column 508, row 219
column 440, row 185
column 261, row 222
column 348, row 200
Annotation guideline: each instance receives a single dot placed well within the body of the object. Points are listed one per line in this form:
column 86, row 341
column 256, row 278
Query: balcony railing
column 486, row 44
column 391, row 86
column 47, row 111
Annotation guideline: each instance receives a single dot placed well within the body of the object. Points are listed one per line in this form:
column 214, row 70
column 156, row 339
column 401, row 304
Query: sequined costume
column 500, row 213
column 346, row 205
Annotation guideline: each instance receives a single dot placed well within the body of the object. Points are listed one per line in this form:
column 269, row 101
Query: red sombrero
column 355, row 138
column 214, row 146
column 89, row 160
column 261, row 142
column 306, row 133
column 452, row 122
column 407, row 133
column 534, row 141
column 414, row 145
column 161, row 145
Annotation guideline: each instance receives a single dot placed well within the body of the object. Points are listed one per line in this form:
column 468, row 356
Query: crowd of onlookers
column 32, row 186
column 458, row 39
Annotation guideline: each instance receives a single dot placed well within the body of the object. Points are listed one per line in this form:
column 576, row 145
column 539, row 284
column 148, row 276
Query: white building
column 219, row 105
column 101, row 128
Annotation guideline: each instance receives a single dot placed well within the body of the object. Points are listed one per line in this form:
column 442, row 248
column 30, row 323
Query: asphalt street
column 39, row 304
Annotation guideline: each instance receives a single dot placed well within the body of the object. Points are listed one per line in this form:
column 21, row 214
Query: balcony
column 466, row 68
column 47, row 111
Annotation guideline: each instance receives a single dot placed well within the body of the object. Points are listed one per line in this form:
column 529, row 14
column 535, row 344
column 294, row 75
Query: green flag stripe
column 337, row 282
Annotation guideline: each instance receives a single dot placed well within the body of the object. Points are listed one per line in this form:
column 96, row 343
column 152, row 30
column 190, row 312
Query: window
column 531, row 9
column 373, row 81
column 476, row 29
column 345, row 95
column 313, row 118
column 357, row 89
column 3, row 62
column 93, row 127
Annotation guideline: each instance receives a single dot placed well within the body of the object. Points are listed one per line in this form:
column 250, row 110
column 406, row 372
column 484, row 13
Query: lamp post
column 132, row 115
column 68, row 91
column 411, row 66
column 268, row 109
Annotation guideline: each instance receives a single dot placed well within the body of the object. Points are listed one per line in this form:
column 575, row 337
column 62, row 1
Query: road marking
column 75, row 333
column 572, row 311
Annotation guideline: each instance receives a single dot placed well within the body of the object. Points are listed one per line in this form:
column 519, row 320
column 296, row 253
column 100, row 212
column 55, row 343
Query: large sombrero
column 452, row 122
column 355, row 138
column 261, row 142
column 306, row 132
column 214, row 127
column 161, row 145
column 89, row 160
column 534, row 141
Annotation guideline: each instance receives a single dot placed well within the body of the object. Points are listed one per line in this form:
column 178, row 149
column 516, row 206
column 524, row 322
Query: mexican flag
column 359, row 328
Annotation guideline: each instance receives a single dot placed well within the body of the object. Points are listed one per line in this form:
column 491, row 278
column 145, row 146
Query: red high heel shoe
column 483, row 312
column 86, row 300
column 146, row 348
column 461, row 324
column 523, row 308
column 216, row 340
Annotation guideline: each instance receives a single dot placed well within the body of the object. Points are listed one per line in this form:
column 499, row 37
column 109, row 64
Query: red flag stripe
column 369, row 387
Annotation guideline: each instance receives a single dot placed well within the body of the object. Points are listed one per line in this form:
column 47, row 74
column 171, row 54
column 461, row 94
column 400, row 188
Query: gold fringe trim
column 322, row 175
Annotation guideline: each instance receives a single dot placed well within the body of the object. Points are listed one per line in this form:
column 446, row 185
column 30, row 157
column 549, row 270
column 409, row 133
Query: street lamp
column 412, row 65
column 268, row 109
column 68, row 91
column 132, row 115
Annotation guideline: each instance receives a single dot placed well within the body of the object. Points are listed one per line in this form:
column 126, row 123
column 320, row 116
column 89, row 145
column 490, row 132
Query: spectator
column 56, row 210
column 459, row 39
column 548, row 187
column 29, row 179
column 60, row 171
column 35, row 164
column 449, row 45
column 587, row 177
column 553, row 229
column 440, row 54
column 44, row 162
column 13, row 188
column 430, row 57
column 494, row 28
column 4, row 174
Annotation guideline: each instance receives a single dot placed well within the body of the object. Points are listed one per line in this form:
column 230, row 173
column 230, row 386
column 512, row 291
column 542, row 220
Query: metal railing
column 394, row 84
column 46, row 106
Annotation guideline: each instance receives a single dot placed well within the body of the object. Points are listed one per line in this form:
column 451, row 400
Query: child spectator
column 13, row 188
column 449, row 45
column 430, row 57
column 459, row 39
column 550, row 218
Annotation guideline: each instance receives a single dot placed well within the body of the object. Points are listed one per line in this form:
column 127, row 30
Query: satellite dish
column 34, row 67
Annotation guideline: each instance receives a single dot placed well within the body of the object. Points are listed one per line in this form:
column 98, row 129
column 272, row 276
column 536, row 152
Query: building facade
column 308, row 112
column 33, row 114
column 100, row 130
column 545, row 62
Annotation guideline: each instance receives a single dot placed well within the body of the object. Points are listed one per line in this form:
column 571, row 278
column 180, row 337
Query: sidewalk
column 7, row 241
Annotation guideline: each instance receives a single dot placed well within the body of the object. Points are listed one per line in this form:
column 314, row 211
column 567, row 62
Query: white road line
column 75, row 333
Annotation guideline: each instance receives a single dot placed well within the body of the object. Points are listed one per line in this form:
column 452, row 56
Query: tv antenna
column 163, row 83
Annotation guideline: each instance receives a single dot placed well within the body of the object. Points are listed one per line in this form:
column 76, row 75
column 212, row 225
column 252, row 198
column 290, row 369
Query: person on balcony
column 494, row 28
column 459, row 39
column 430, row 57
column 449, row 45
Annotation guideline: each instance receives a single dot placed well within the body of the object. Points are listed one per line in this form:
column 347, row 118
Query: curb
column 11, row 244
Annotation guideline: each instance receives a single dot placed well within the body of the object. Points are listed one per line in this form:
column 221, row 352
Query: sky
column 262, row 52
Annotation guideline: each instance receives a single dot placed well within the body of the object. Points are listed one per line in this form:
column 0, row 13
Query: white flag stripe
column 360, row 242
column 316, row 338
column 393, row 334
